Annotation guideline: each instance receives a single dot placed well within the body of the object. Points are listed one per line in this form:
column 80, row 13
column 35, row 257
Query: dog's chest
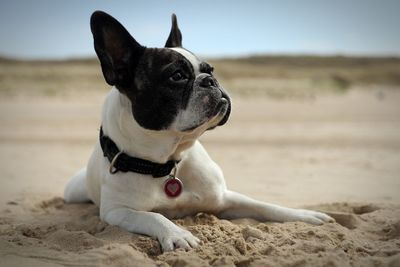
column 200, row 193
column 196, row 196
column 188, row 203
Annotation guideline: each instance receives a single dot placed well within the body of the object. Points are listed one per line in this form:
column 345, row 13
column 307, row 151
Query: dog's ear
column 117, row 50
column 175, row 36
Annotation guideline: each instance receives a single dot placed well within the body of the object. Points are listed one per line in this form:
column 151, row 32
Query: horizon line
column 216, row 57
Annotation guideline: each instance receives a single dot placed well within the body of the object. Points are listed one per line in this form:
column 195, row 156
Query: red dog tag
column 173, row 186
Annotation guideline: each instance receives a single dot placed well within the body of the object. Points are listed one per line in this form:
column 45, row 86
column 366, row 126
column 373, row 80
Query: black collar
column 122, row 162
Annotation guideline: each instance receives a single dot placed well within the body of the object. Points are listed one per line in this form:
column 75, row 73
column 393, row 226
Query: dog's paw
column 178, row 238
column 310, row 216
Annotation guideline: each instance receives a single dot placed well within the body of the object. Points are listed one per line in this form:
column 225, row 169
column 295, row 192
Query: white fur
column 76, row 191
column 191, row 57
column 138, row 203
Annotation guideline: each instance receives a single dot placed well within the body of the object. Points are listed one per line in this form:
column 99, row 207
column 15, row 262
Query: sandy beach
column 338, row 153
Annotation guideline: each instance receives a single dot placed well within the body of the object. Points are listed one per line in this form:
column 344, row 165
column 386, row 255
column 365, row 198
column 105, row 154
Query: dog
column 148, row 166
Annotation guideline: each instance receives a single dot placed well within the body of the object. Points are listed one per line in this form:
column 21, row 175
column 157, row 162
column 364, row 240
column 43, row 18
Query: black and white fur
column 161, row 101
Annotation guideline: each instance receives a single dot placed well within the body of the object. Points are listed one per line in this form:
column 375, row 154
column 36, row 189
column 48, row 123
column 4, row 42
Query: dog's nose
column 207, row 81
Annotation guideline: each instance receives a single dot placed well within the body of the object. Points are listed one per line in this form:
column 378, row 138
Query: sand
column 335, row 153
column 60, row 234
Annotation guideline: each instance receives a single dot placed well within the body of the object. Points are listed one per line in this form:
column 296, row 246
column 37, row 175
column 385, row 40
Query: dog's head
column 169, row 88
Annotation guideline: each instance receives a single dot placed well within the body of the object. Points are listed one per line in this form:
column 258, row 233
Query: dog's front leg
column 236, row 205
column 152, row 224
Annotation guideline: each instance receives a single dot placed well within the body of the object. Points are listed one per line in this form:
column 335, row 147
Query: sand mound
column 55, row 233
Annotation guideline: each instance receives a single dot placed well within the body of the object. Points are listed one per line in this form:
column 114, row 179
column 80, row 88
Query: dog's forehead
column 189, row 56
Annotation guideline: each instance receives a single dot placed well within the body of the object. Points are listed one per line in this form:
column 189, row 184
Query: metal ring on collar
column 113, row 170
column 175, row 169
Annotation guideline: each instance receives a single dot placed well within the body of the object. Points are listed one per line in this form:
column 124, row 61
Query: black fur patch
column 156, row 99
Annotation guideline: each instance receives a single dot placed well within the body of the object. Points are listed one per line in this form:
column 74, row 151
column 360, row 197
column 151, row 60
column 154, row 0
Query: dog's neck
column 158, row 146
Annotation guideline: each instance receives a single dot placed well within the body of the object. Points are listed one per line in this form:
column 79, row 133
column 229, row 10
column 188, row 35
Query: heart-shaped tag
column 173, row 186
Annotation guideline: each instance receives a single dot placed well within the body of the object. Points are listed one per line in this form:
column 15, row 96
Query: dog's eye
column 177, row 76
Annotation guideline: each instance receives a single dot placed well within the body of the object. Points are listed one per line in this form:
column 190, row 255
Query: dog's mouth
column 219, row 116
column 222, row 103
column 224, row 107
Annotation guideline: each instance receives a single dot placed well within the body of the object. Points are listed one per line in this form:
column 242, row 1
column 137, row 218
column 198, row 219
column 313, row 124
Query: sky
column 55, row 29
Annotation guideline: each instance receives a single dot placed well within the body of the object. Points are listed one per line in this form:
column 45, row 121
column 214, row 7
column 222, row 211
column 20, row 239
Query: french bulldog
column 148, row 166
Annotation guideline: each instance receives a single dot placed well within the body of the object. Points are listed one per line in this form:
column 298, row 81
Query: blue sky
column 60, row 29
